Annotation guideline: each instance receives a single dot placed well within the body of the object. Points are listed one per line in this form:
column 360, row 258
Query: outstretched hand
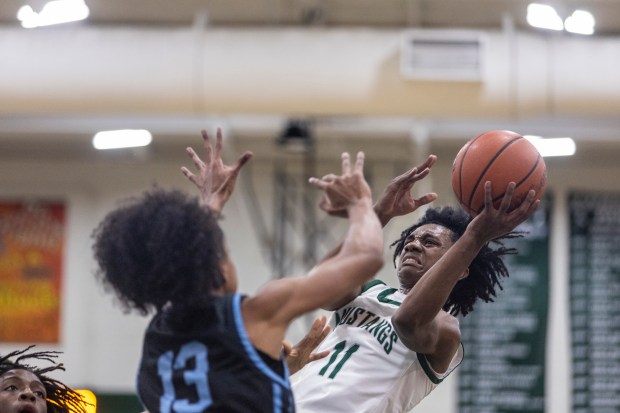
column 494, row 222
column 215, row 180
column 340, row 192
column 302, row 353
column 397, row 199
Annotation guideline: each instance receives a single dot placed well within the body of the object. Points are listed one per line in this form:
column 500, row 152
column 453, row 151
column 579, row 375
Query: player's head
column 160, row 248
column 485, row 271
column 27, row 388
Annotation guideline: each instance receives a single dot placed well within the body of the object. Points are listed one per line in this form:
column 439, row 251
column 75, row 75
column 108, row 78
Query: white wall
column 307, row 71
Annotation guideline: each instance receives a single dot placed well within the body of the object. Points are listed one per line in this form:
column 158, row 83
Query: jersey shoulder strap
column 372, row 284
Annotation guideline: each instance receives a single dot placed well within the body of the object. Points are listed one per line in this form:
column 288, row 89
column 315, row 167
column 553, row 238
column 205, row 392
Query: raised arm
column 361, row 253
column 214, row 180
column 395, row 201
column 420, row 322
column 357, row 261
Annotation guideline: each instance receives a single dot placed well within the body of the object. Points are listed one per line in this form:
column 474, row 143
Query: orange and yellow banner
column 31, row 256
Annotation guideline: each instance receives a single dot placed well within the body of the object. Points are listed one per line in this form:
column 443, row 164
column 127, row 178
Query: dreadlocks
column 60, row 398
column 485, row 271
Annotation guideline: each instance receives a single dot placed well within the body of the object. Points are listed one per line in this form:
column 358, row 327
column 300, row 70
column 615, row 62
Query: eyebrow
column 424, row 234
column 14, row 377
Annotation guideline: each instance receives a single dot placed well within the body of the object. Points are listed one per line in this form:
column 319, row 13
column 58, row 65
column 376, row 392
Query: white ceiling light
column 123, row 138
column 53, row 12
column 544, row 17
column 552, row 146
column 580, row 22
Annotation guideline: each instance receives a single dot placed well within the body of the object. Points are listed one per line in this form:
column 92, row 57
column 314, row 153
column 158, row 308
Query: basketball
column 501, row 157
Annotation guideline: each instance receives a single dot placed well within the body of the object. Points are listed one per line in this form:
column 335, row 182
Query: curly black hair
column 485, row 271
column 60, row 398
column 163, row 247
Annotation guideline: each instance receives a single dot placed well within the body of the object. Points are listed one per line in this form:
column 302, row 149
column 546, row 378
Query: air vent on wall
column 443, row 55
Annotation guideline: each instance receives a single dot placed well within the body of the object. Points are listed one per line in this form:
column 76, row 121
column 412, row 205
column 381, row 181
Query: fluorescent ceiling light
column 53, row 12
column 124, row 138
column 544, row 17
column 580, row 22
column 552, row 146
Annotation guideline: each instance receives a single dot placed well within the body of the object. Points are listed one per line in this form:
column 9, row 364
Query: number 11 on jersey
column 338, row 349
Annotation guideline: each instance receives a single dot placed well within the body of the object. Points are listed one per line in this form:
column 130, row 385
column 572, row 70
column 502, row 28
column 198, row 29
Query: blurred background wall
column 250, row 67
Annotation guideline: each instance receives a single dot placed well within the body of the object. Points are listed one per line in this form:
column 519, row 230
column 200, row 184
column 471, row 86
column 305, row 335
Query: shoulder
column 369, row 289
column 448, row 344
column 374, row 285
column 450, row 320
column 450, row 329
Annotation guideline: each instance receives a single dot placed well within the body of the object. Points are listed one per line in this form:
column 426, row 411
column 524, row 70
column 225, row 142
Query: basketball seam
column 460, row 176
column 519, row 183
column 461, row 168
column 486, row 168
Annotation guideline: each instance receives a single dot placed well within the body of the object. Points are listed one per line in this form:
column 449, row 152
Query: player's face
column 422, row 250
column 21, row 391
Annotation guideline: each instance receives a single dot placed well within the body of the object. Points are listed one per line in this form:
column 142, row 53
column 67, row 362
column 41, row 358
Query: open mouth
column 410, row 260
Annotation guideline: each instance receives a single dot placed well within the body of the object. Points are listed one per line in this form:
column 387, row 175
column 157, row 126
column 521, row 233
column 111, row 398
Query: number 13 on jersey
column 196, row 377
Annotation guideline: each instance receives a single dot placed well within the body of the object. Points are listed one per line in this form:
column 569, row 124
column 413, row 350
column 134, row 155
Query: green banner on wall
column 118, row 403
column 504, row 366
column 595, row 301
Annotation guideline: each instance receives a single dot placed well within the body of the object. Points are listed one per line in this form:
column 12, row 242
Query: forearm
column 364, row 233
column 383, row 221
column 354, row 261
column 212, row 206
column 430, row 293
column 383, row 217
column 334, row 280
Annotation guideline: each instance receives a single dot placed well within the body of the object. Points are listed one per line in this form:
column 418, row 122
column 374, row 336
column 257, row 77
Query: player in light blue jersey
column 209, row 348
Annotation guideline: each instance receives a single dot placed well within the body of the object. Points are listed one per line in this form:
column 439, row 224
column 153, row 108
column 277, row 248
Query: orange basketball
column 501, row 157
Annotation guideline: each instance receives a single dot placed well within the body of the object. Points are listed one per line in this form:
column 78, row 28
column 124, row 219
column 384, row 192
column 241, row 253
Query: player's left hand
column 300, row 354
column 215, row 180
column 494, row 222
column 397, row 199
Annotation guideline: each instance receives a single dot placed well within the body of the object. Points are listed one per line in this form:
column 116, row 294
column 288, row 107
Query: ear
column 464, row 275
